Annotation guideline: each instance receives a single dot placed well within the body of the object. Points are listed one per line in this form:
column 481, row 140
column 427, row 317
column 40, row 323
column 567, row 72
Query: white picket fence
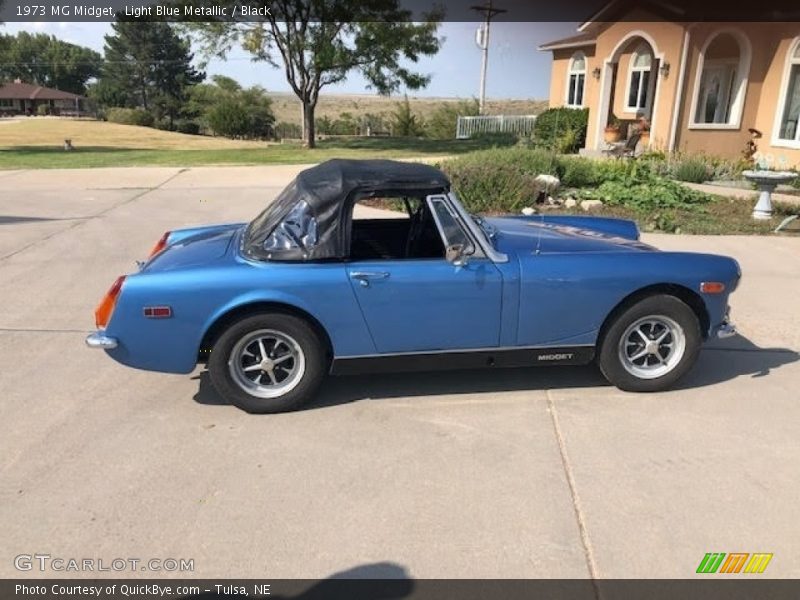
column 471, row 126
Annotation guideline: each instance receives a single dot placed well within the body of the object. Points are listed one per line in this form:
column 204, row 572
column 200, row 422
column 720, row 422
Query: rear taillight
column 102, row 314
column 160, row 245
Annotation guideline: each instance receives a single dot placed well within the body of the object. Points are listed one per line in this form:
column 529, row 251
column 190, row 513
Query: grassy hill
column 286, row 106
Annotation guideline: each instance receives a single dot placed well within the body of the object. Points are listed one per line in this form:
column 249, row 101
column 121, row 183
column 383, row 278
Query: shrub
column 344, row 124
column 404, row 122
column 187, row 126
column 497, row 139
column 285, row 130
column 728, row 169
column 500, row 179
column 229, row 118
column 638, row 187
column 694, row 169
column 371, row 123
column 130, row 116
column 443, row 121
column 562, row 130
column 227, row 109
column 42, row 110
column 577, row 172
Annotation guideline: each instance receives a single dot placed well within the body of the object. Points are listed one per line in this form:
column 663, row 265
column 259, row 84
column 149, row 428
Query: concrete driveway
column 522, row 473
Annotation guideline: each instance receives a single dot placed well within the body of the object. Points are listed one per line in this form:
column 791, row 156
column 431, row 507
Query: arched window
column 576, row 80
column 789, row 107
column 639, row 79
column 722, row 83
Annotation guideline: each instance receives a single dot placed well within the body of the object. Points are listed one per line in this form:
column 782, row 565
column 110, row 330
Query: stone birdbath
column 767, row 181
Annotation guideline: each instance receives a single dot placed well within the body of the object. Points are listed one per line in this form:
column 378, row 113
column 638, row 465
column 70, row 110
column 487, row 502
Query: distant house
column 703, row 86
column 18, row 98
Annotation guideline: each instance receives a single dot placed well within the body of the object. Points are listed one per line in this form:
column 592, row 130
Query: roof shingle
column 28, row 91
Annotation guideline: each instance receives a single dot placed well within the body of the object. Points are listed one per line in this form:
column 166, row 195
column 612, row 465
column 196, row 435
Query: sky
column 516, row 68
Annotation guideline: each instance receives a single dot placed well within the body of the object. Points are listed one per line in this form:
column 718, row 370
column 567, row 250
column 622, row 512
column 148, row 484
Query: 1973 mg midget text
column 306, row 290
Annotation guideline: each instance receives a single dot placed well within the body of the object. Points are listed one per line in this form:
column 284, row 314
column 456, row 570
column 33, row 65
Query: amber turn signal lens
column 102, row 314
column 160, row 245
column 712, row 287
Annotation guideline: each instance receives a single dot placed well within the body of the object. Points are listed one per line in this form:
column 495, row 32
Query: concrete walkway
column 735, row 192
column 520, row 473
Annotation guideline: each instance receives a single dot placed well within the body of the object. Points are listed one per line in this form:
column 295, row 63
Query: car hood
column 559, row 234
column 196, row 246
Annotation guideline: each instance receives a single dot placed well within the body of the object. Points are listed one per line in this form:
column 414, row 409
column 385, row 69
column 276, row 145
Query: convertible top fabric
column 328, row 191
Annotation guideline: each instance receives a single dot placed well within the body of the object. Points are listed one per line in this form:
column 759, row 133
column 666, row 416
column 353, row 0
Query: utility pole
column 482, row 39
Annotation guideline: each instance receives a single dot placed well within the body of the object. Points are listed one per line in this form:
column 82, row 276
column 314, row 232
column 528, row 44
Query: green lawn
column 50, row 157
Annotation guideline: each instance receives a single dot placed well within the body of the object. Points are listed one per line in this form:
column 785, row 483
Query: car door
column 419, row 305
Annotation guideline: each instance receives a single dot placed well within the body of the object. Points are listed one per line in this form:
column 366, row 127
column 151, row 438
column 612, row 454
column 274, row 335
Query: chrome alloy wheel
column 267, row 363
column 652, row 346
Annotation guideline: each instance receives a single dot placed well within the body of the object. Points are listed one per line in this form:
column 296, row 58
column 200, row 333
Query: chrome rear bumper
column 98, row 339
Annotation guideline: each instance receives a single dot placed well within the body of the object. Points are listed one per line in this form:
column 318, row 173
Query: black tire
column 645, row 374
column 301, row 340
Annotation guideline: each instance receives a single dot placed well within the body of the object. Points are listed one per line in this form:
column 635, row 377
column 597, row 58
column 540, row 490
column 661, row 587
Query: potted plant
column 613, row 132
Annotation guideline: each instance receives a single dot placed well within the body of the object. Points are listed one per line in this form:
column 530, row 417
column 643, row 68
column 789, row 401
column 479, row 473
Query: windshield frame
column 477, row 231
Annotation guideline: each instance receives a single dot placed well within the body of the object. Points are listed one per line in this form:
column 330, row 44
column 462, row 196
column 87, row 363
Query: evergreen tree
column 150, row 67
column 404, row 121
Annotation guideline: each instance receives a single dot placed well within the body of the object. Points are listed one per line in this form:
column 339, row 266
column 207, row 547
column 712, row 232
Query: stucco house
column 22, row 98
column 702, row 85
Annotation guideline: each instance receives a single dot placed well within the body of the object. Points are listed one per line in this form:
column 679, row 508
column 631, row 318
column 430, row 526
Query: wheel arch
column 226, row 319
column 692, row 299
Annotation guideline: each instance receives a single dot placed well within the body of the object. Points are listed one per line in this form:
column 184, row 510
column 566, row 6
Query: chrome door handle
column 369, row 274
column 364, row 276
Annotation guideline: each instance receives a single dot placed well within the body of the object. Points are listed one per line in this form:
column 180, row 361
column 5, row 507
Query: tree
column 229, row 118
column 47, row 61
column 319, row 42
column 404, row 121
column 227, row 109
column 442, row 122
column 149, row 66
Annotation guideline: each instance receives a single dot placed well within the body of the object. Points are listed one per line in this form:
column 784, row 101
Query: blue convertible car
column 306, row 290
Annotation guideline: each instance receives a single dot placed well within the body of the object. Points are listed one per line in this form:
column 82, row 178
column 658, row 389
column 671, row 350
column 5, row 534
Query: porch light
column 664, row 69
column 596, row 72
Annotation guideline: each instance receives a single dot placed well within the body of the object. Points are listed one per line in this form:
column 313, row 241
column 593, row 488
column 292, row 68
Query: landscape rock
column 547, row 184
column 528, row 211
column 590, row 204
column 570, row 203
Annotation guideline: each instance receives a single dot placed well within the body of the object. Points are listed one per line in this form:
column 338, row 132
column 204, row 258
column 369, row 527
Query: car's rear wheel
column 268, row 363
column 650, row 345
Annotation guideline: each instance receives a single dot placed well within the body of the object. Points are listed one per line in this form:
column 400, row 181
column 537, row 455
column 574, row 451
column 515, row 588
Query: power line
column 107, row 62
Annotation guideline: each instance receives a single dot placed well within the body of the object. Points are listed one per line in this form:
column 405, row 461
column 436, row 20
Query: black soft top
column 309, row 220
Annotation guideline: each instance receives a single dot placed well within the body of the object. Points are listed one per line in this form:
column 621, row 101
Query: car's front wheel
column 650, row 345
column 268, row 363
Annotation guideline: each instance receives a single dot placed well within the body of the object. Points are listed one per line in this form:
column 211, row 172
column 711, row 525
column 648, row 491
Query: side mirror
column 456, row 255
